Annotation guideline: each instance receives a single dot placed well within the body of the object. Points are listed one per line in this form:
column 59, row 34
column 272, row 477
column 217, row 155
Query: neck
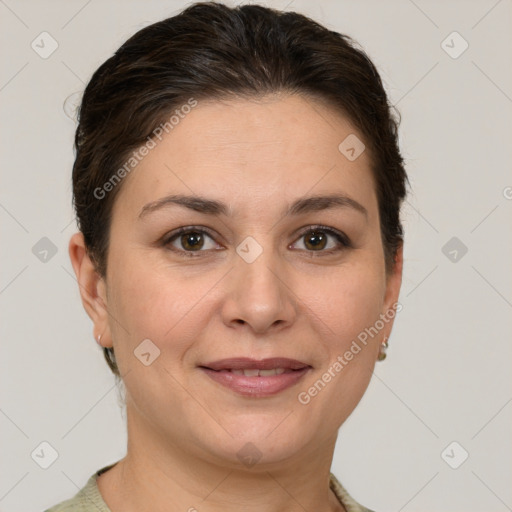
column 158, row 476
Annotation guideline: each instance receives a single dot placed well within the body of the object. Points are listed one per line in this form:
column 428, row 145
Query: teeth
column 259, row 373
column 267, row 373
column 251, row 373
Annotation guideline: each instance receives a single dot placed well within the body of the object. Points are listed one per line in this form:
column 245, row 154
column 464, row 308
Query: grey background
column 448, row 372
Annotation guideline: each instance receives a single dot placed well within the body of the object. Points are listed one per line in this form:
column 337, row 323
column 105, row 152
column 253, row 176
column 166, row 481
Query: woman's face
column 250, row 279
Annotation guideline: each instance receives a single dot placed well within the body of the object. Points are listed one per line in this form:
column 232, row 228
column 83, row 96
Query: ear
column 92, row 289
column 393, row 285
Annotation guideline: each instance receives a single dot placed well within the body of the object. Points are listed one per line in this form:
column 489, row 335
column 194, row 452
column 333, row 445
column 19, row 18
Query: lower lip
column 256, row 386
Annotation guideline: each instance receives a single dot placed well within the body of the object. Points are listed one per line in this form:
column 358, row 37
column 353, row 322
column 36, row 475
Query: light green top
column 89, row 499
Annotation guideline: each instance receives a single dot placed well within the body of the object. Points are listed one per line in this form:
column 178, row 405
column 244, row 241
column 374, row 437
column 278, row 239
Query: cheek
column 159, row 302
column 348, row 302
column 349, row 306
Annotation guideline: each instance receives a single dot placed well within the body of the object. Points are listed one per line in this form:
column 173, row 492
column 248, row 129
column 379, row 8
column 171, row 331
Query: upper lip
column 246, row 363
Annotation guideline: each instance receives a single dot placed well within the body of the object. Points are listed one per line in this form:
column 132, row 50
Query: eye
column 317, row 240
column 189, row 239
column 194, row 239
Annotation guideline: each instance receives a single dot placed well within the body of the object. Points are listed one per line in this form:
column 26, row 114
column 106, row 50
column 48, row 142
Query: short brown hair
column 212, row 51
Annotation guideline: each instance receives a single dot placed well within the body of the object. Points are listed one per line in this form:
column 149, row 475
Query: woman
column 237, row 186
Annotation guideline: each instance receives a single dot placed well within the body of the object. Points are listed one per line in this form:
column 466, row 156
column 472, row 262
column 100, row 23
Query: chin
column 257, row 439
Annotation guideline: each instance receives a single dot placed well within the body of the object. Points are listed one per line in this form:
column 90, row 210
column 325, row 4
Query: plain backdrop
column 447, row 378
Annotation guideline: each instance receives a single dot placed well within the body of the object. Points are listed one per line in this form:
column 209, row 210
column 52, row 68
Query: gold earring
column 382, row 350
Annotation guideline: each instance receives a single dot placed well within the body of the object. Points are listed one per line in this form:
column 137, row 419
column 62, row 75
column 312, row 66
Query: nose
column 259, row 296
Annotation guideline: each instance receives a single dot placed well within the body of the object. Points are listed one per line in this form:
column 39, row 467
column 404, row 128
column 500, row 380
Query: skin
column 294, row 300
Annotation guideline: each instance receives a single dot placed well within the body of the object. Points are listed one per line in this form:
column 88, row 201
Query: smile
column 250, row 377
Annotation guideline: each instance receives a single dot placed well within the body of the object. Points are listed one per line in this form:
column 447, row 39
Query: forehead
column 252, row 152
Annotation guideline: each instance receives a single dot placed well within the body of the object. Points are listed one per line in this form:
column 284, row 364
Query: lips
column 256, row 378
column 244, row 363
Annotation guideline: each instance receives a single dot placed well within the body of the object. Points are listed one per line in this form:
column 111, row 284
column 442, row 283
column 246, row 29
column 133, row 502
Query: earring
column 98, row 339
column 382, row 350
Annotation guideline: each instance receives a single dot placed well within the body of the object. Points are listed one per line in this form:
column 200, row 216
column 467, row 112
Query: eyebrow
column 217, row 208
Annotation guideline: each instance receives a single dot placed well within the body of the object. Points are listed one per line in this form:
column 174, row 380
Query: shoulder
column 87, row 499
column 78, row 503
column 350, row 504
column 74, row 504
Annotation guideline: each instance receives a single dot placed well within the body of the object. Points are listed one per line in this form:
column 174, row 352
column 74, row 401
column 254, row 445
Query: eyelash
column 342, row 239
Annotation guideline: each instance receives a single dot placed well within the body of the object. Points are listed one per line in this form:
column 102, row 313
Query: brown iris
column 316, row 239
column 195, row 238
